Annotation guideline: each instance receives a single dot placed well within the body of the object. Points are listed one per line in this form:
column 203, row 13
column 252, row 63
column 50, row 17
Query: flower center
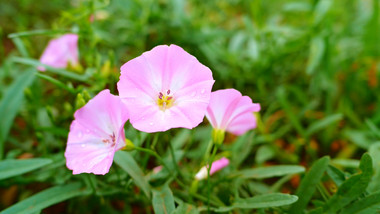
column 111, row 141
column 165, row 101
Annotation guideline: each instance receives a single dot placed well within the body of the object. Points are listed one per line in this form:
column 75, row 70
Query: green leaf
column 11, row 103
column 36, row 32
column 336, row 175
column 163, row 201
column 35, row 63
column 261, row 201
column 46, row 198
column 294, row 120
column 56, row 82
column 185, row 209
column 264, row 153
column 180, row 139
column 317, row 50
column 309, row 184
column 374, row 151
column 271, row 171
column 21, row 47
column 362, row 205
column 359, row 138
column 348, row 163
column 319, row 210
column 128, row 164
column 352, row 188
column 266, row 201
column 321, row 9
column 321, row 124
column 373, row 128
column 10, row 168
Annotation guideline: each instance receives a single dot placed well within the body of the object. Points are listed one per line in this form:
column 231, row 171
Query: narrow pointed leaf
column 325, row 122
column 261, row 201
column 11, row 103
column 309, row 184
column 351, row 188
column 128, row 164
column 46, row 198
column 266, row 201
column 363, row 204
column 271, row 171
column 163, row 201
column 185, row 209
column 10, row 168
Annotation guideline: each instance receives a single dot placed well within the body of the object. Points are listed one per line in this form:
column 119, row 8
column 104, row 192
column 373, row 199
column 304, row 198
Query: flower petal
column 60, row 52
column 215, row 166
column 171, row 71
column 219, row 164
column 229, row 110
column 95, row 134
column 242, row 124
column 220, row 101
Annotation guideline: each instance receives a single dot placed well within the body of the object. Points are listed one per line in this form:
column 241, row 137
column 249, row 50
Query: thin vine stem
column 211, row 159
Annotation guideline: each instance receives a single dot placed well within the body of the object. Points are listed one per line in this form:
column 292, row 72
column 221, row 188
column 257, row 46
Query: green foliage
column 10, row 168
column 270, row 171
column 313, row 65
column 46, row 198
column 126, row 162
column 261, row 201
column 309, row 184
column 11, row 103
column 163, row 201
column 351, row 188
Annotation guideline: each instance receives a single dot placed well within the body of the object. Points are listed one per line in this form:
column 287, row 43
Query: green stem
column 174, row 160
column 151, row 152
column 208, row 176
column 91, row 182
column 204, row 199
column 325, row 194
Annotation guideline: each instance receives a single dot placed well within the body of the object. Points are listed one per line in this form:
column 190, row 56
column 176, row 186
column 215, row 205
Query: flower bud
column 218, row 136
column 129, row 146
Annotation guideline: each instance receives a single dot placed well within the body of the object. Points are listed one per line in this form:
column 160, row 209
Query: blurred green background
column 313, row 65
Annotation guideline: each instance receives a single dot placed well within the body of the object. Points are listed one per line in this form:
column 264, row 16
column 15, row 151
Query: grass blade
column 266, row 201
column 309, row 184
column 36, row 32
column 261, row 201
column 46, row 198
column 11, row 103
column 126, row 162
column 163, row 201
column 35, row 63
column 56, row 82
column 10, row 168
column 281, row 95
column 321, row 124
column 351, row 188
column 271, row 171
column 363, row 204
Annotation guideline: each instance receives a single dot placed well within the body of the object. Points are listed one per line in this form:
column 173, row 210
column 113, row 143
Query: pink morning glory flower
column 230, row 111
column 165, row 88
column 60, row 52
column 96, row 134
column 215, row 166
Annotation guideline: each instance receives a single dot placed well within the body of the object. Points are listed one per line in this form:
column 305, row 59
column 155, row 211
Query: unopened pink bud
column 215, row 166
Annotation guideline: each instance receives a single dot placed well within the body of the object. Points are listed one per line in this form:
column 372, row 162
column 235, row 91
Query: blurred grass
column 314, row 66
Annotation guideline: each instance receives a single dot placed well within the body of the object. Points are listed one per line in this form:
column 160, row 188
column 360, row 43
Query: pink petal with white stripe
column 215, row 166
column 60, row 52
column 230, row 111
column 96, row 134
column 165, row 88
